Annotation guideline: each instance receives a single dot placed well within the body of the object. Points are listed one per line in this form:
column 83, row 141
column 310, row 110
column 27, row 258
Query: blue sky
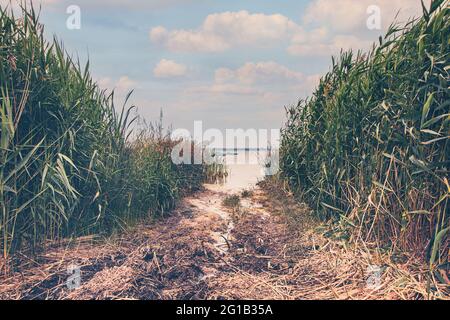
column 231, row 64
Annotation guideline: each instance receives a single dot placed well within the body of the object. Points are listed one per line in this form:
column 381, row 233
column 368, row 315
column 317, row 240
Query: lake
column 244, row 167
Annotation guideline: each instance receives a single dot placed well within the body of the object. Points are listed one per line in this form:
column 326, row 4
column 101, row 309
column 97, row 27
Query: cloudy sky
column 232, row 64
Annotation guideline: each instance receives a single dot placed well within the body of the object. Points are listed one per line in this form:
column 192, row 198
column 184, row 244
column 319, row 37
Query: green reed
column 67, row 164
column 370, row 148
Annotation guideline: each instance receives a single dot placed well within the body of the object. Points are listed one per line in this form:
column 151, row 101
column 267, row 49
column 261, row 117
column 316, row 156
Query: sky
column 230, row 64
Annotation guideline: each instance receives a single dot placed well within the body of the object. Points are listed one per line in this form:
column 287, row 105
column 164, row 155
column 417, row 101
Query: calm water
column 244, row 169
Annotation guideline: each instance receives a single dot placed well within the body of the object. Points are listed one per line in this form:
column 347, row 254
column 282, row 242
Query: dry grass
column 232, row 201
column 165, row 259
column 276, row 251
column 275, row 259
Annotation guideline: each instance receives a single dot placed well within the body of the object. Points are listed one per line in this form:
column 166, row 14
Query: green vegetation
column 370, row 148
column 67, row 165
column 216, row 171
column 246, row 193
column 232, row 201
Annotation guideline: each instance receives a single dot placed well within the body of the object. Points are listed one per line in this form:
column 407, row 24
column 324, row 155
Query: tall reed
column 67, row 165
column 370, row 148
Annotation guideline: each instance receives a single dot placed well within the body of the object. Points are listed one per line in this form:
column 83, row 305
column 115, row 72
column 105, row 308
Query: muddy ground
column 267, row 247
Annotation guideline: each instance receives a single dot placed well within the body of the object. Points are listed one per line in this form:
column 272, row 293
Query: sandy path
column 264, row 249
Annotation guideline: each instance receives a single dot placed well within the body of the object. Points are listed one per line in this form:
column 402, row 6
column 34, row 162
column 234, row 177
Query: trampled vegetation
column 67, row 165
column 370, row 148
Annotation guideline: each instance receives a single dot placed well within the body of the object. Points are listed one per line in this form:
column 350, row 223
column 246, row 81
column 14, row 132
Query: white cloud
column 125, row 83
column 105, row 83
column 225, row 88
column 327, row 47
column 121, row 85
column 327, row 27
column 305, row 88
column 223, row 75
column 351, row 15
column 159, row 34
column 265, row 79
column 335, row 25
column 220, row 31
column 169, row 69
column 258, row 73
column 186, row 41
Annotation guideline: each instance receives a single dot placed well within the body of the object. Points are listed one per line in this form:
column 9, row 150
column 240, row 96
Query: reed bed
column 216, row 171
column 370, row 149
column 68, row 166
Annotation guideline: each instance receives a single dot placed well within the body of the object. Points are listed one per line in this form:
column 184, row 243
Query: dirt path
column 265, row 248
